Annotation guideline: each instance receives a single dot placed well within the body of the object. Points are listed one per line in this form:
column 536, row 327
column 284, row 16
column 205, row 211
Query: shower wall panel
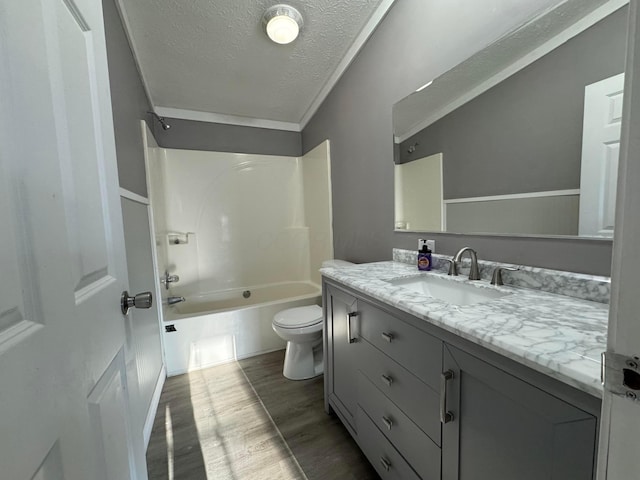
column 233, row 220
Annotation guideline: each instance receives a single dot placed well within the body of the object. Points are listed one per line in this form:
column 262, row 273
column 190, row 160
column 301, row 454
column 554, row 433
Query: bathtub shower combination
column 223, row 326
column 246, row 234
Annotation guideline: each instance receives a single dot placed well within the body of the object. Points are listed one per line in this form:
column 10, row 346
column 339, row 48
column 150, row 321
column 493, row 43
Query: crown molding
column 351, row 54
column 226, row 119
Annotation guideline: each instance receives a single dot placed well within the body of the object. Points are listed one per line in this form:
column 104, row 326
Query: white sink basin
column 455, row 293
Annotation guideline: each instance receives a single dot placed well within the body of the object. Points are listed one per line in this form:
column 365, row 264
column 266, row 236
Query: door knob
column 141, row 300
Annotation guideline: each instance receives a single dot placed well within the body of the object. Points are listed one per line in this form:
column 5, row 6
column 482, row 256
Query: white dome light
column 282, row 29
column 282, row 23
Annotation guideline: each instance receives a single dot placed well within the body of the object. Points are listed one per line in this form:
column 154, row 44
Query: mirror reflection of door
column 600, row 152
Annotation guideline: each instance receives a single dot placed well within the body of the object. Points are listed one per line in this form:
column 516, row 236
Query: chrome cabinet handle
column 387, row 422
column 350, row 315
column 387, row 336
column 386, row 464
column 141, row 300
column 445, row 417
column 387, row 379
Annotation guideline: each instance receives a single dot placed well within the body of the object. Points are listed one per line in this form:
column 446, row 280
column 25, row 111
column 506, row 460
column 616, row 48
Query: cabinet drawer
column 417, row 351
column 417, row 400
column 414, row 445
column 383, row 456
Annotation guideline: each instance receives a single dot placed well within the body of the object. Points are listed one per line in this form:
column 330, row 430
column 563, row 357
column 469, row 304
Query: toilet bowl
column 301, row 328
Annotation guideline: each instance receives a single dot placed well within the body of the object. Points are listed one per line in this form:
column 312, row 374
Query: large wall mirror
column 522, row 138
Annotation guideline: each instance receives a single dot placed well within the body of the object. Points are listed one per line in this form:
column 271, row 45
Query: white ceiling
column 211, row 60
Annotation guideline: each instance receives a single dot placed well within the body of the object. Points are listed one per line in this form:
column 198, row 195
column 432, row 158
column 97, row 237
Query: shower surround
column 231, row 224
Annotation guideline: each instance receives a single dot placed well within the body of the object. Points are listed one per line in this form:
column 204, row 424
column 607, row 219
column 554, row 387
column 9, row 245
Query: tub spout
column 174, row 300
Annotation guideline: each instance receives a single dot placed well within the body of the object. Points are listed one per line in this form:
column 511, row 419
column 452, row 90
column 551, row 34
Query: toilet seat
column 299, row 317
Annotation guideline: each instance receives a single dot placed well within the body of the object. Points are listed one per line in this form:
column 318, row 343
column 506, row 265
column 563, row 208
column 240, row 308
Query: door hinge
column 620, row 375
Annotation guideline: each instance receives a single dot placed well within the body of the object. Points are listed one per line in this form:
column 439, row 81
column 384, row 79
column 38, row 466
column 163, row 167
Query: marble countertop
column 557, row 335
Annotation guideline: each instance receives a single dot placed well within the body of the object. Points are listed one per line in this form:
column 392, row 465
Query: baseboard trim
column 153, row 408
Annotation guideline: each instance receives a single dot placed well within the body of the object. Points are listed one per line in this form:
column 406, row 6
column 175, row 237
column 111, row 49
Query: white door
column 145, row 367
column 63, row 402
column 619, row 457
column 600, row 153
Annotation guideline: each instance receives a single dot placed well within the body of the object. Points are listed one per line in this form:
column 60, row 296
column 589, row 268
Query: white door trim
column 155, row 399
column 148, row 140
column 620, row 420
column 153, row 407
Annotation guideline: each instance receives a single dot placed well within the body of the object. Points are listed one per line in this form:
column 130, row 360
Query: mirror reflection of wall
column 512, row 155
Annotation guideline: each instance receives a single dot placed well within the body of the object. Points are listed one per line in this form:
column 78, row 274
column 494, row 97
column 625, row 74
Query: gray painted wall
column 356, row 117
column 525, row 134
column 217, row 137
column 129, row 102
column 130, row 105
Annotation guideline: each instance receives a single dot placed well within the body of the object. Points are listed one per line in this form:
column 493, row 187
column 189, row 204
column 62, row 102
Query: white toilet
column 301, row 327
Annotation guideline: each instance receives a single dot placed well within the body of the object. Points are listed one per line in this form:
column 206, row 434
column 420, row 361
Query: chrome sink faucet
column 474, row 273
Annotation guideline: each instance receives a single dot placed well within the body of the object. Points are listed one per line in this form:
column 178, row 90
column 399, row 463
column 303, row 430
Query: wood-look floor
column 244, row 420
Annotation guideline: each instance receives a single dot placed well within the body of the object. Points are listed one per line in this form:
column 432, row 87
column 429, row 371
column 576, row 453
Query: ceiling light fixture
column 282, row 23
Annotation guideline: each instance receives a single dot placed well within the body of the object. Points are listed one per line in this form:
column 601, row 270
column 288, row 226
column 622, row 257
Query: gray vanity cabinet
column 341, row 337
column 425, row 404
column 503, row 428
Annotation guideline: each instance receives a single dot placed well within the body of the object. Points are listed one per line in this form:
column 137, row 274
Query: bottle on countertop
column 424, row 256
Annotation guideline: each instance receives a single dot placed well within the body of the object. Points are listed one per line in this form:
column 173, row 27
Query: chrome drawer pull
column 350, row 315
column 387, row 336
column 387, row 422
column 386, row 379
column 445, row 417
column 386, row 464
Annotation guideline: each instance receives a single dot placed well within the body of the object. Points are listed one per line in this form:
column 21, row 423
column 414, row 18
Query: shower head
column 161, row 121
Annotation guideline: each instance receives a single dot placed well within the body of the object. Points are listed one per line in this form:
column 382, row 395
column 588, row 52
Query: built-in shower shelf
column 178, row 238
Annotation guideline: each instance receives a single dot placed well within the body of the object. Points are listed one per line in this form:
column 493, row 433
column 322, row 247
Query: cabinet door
column 342, row 332
column 504, row 428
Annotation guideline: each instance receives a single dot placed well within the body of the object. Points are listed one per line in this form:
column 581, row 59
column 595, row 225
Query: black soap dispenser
column 424, row 256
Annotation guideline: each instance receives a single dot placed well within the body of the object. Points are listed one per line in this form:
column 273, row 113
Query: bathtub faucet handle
column 167, row 279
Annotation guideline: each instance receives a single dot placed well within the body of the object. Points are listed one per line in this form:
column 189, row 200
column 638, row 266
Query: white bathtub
column 223, row 326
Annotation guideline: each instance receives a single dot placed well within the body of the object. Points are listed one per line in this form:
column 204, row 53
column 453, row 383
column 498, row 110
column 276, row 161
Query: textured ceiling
column 213, row 55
